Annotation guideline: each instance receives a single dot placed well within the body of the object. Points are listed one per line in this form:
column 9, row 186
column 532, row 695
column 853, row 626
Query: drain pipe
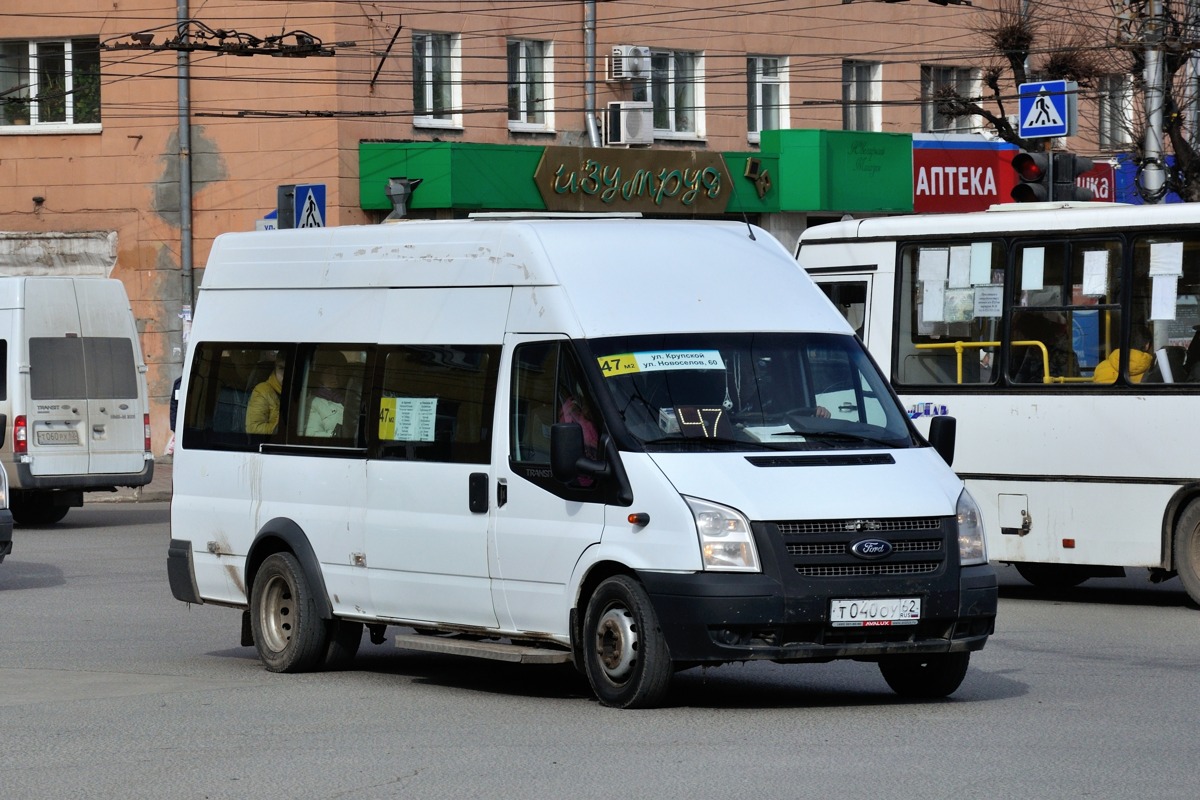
column 589, row 69
column 185, row 174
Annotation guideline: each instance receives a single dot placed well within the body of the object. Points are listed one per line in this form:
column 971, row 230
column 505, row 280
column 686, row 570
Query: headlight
column 726, row 543
column 972, row 549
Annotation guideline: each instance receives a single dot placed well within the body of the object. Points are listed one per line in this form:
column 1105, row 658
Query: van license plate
column 58, row 437
column 881, row 612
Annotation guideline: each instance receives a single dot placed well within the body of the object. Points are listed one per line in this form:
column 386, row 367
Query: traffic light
column 1033, row 170
column 1068, row 167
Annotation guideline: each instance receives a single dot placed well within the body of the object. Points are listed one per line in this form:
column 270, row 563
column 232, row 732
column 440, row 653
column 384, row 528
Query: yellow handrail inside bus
column 959, row 347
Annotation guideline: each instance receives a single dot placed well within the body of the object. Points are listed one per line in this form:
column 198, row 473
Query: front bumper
column 709, row 618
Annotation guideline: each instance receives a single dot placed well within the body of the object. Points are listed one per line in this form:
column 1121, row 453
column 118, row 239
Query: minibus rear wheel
column 289, row 634
column 925, row 676
column 624, row 653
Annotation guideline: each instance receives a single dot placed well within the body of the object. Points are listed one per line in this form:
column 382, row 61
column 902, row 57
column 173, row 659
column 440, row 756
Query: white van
column 638, row 446
column 76, row 416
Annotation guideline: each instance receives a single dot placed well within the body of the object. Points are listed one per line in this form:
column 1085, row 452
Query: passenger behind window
column 262, row 412
column 328, row 395
column 1053, row 333
column 1140, row 360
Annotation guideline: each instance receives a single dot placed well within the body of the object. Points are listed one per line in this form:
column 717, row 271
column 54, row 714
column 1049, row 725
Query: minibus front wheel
column 289, row 634
column 624, row 653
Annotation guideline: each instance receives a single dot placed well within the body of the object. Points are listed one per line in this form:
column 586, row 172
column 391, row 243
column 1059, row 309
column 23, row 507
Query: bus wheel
column 1052, row 576
column 925, row 676
column 624, row 655
column 1187, row 550
column 288, row 632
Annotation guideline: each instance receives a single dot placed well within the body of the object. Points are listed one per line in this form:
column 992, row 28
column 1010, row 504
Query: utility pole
column 1152, row 179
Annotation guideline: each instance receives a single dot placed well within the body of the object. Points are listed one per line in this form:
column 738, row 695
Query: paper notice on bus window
column 407, row 419
column 1163, row 292
column 1095, row 273
column 935, row 299
column 960, row 267
column 989, row 301
column 934, row 265
column 1166, row 258
column 981, row 263
column 960, row 305
column 1033, row 268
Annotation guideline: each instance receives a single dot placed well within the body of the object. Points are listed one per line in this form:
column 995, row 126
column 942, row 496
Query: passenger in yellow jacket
column 1140, row 362
column 262, row 412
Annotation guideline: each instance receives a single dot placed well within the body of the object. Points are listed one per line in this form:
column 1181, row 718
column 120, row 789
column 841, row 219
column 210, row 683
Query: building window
column 676, row 91
column 529, row 84
column 50, row 83
column 435, row 90
column 1115, row 98
column 766, row 94
column 963, row 80
column 861, row 95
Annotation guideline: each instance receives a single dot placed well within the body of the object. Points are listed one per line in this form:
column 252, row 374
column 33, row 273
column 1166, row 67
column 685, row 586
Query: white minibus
column 74, row 410
column 636, row 446
column 1064, row 338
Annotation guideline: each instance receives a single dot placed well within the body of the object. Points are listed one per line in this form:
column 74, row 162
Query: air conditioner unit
column 630, row 62
column 630, row 122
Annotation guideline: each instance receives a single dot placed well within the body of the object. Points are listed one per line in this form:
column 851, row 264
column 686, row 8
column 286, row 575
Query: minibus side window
column 329, row 397
column 436, row 403
column 225, row 377
column 1165, row 301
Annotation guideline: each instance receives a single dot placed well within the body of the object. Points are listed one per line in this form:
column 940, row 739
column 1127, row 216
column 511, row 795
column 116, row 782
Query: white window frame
column 1114, row 111
column 765, row 74
column 862, row 87
column 662, row 89
column 423, row 114
column 29, row 86
column 966, row 80
column 526, row 85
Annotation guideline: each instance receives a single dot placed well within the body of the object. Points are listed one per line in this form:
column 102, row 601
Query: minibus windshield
column 785, row 391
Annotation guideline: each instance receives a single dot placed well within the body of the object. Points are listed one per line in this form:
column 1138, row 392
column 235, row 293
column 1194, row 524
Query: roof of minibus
column 615, row 272
column 1011, row 218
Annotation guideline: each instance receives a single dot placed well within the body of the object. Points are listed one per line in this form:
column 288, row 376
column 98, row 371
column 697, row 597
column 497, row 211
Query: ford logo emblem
column 871, row 549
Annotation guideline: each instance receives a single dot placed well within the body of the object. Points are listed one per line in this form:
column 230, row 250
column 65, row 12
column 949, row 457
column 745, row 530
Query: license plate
column 58, row 437
column 877, row 612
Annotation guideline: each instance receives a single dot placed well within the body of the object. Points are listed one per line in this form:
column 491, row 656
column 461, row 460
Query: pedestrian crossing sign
column 1047, row 108
column 309, row 206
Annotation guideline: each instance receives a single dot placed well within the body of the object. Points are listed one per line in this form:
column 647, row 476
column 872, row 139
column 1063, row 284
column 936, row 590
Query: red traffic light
column 1034, row 171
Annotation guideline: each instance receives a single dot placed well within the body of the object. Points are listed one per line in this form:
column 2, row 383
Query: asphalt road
column 110, row 688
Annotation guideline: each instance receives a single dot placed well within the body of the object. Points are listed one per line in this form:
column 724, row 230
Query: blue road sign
column 1046, row 108
column 308, row 209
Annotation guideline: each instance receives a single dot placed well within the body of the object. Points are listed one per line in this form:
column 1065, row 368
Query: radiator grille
column 856, row 570
column 863, row 526
column 839, row 548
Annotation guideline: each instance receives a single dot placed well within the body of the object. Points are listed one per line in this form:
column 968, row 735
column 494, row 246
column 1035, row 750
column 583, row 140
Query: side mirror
column 942, row 431
column 567, row 458
column 566, row 450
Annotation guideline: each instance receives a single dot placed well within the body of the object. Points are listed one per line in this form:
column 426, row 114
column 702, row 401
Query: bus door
column 541, row 527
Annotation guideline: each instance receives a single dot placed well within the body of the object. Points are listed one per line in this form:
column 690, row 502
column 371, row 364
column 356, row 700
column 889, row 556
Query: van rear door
column 85, row 404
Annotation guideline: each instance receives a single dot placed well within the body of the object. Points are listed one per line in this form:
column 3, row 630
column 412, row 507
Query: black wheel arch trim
column 281, row 534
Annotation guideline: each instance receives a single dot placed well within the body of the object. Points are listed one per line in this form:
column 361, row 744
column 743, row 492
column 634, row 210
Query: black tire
column 624, row 653
column 289, row 634
column 1052, row 576
column 344, row 639
column 925, row 676
column 26, row 512
column 1187, row 551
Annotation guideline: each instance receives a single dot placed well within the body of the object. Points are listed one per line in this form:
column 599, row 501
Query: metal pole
column 183, row 82
column 589, row 68
column 1153, row 177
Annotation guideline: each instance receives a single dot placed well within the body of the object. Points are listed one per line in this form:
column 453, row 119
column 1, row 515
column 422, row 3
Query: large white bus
column 1064, row 339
